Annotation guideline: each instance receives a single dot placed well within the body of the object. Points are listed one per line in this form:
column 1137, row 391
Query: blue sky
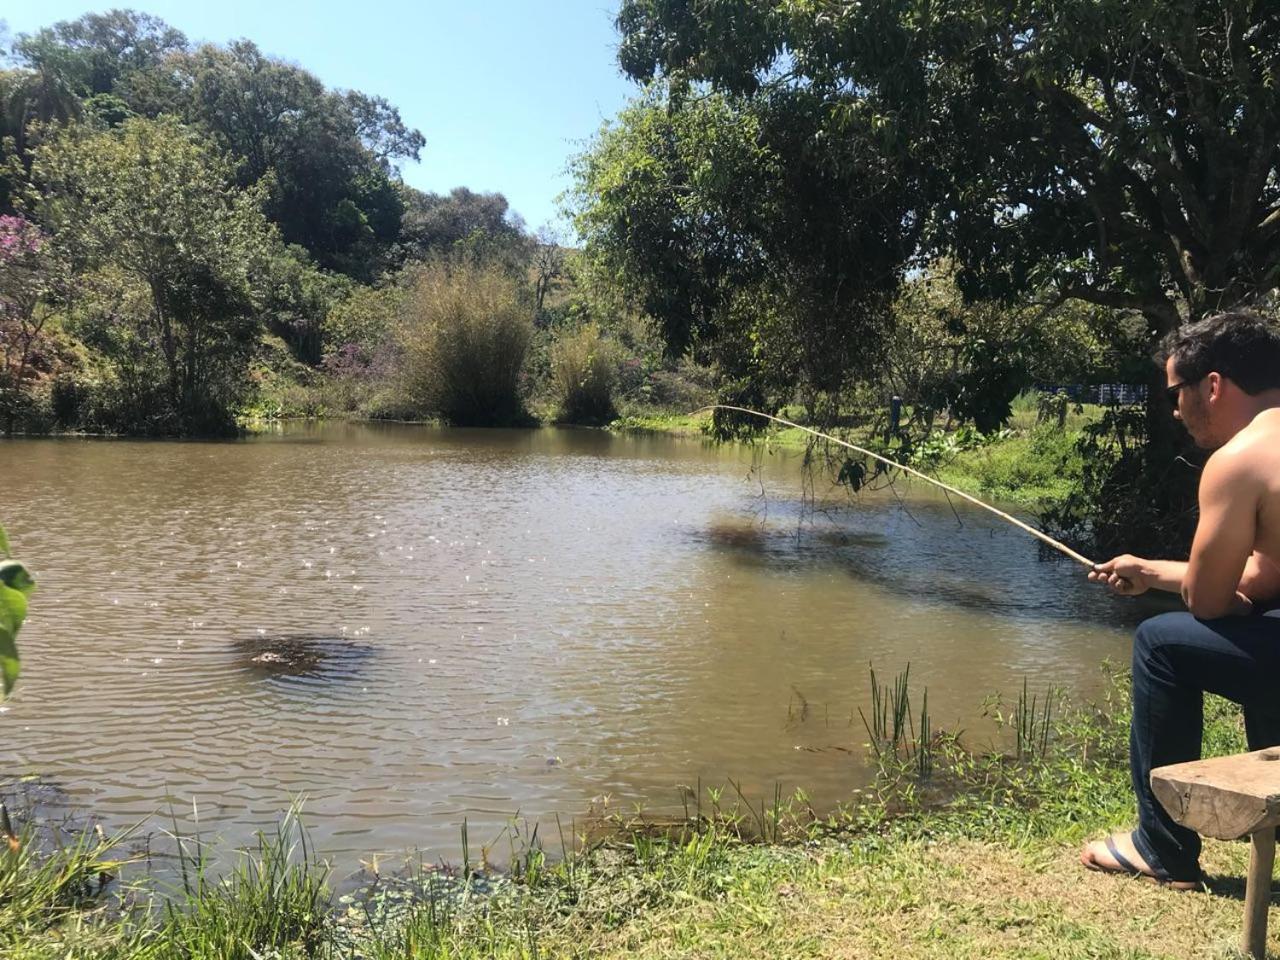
column 503, row 90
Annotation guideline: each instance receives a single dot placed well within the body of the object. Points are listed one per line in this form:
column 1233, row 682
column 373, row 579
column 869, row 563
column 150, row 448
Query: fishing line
column 1026, row 527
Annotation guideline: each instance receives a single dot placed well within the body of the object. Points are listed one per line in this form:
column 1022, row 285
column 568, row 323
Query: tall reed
column 583, row 375
column 462, row 337
column 891, row 726
column 1031, row 724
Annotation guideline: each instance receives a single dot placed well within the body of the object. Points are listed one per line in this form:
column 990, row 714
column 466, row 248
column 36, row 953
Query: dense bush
column 149, row 208
column 584, row 371
column 461, row 341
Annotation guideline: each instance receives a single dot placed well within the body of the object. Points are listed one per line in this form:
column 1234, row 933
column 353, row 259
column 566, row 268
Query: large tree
column 73, row 65
column 459, row 222
column 152, row 208
column 752, row 240
column 96, row 52
column 329, row 156
column 1116, row 152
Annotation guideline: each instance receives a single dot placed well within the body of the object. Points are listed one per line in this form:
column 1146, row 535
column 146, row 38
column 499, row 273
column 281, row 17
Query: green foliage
column 974, row 359
column 1026, row 138
column 1039, row 467
column 297, row 297
column 99, row 51
column 41, row 890
column 363, row 319
column 941, row 446
column 31, row 274
column 892, row 728
column 326, row 156
column 275, row 898
column 480, row 226
column 583, row 375
column 719, row 219
column 16, row 586
column 199, row 196
column 155, row 205
column 1119, row 154
column 1121, row 501
column 327, row 191
column 462, row 342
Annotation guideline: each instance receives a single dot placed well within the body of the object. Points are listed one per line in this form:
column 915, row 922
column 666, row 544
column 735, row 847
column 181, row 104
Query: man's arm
column 1224, row 538
column 1130, row 575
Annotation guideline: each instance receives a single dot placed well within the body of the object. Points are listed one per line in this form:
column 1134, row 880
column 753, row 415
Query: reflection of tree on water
column 927, row 551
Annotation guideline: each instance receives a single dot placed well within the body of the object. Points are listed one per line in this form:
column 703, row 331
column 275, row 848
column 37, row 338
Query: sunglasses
column 1174, row 390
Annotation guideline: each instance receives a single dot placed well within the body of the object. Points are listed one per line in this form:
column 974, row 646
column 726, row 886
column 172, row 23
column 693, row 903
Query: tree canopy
column 328, row 157
column 1117, row 152
column 749, row 235
column 196, row 265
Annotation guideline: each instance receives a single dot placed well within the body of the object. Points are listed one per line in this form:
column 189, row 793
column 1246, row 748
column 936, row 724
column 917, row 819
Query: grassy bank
column 976, row 858
column 1029, row 463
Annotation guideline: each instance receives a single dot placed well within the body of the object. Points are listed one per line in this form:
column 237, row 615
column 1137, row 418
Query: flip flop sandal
column 1128, row 868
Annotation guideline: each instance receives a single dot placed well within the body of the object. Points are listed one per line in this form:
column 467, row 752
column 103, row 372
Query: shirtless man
column 1224, row 383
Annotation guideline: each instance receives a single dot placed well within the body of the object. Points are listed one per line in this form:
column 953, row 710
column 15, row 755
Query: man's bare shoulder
column 1249, row 452
column 1247, row 468
column 1256, row 448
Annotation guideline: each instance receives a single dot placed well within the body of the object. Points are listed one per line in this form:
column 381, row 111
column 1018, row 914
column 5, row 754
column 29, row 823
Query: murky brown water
column 497, row 622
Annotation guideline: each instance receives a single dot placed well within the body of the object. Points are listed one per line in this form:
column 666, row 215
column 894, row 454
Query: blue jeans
column 1176, row 658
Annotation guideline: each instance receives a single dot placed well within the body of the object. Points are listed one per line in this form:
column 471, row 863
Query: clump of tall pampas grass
column 584, row 371
column 462, row 337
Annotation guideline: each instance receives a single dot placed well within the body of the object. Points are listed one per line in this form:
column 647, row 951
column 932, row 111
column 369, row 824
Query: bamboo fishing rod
column 1039, row 535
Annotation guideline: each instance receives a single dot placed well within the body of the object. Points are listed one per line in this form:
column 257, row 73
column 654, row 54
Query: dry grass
column 949, row 899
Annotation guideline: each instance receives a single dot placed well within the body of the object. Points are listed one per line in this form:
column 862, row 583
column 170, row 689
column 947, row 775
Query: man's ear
column 1215, row 385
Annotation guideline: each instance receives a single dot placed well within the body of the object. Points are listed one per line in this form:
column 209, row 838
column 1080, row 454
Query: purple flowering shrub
column 25, row 279
column 19, row 239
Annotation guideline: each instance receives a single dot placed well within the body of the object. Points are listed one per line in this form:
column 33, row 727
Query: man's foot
column 1117, row 854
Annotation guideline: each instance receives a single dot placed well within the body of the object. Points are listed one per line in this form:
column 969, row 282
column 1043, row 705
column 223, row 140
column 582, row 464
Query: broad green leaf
column 4, row 543
column 9, row 666
column 15, row 576
column 13, row 611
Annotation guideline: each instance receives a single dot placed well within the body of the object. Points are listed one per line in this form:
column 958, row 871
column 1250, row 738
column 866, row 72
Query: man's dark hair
column 1241, row 345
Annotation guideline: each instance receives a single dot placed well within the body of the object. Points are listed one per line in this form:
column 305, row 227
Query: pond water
column 411, row 626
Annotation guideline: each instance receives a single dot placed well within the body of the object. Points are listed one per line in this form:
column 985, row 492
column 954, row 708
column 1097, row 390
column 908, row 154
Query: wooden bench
column 1228, row 798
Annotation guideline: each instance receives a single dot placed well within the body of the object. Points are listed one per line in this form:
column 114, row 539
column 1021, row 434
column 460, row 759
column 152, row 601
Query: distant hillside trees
column 327, row 157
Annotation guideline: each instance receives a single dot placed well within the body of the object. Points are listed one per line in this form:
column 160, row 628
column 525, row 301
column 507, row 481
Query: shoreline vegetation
column 953, row 851
column 1028, row 463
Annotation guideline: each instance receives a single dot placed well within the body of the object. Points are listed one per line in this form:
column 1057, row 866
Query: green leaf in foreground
column 15, row 576
column 15, row 585
column 13, row 610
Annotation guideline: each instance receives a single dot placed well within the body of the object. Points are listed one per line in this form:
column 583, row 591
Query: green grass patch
column 1036, row 467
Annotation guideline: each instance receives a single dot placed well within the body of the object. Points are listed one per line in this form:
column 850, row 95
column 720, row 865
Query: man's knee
column 1155, row 634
